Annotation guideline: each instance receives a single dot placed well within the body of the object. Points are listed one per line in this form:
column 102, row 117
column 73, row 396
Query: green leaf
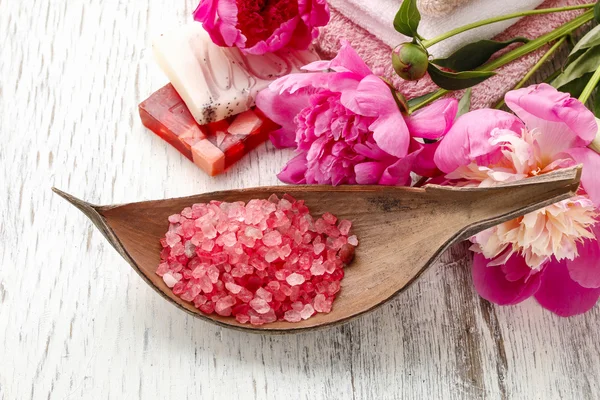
column 587, row 62
column 416, row 100
column 576, row 86
column 474, row 54
column 457, row 80
column 408, row 18
column 597, row 12
column 596, row 109
column 591, row 39
column 464, row 105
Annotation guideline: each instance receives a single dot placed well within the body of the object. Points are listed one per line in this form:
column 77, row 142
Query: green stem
column 535, row 68
column 431, row 42
column 520, row 51
column 591, row 85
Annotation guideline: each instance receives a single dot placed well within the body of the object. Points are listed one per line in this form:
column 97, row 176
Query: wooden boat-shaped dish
column 401, row 232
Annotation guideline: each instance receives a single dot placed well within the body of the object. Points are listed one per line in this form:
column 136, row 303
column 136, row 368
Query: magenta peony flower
column 553, row 253
column 262, row 26
column 347, row 128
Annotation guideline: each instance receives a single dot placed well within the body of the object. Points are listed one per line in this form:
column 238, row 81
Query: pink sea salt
column 259, row 262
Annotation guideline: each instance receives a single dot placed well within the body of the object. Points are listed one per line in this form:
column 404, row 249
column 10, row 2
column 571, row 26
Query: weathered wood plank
column 77, row 322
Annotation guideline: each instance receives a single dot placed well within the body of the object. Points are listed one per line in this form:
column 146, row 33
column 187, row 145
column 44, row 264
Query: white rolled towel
column 377, row 16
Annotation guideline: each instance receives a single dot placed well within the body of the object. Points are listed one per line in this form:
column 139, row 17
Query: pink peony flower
column 262, row 26
column 553, row 253
column 347, row 128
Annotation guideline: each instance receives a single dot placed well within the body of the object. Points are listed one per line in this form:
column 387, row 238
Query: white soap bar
column 217, row 82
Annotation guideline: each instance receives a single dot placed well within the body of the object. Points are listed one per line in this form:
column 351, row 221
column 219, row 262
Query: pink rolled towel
column 377, row 54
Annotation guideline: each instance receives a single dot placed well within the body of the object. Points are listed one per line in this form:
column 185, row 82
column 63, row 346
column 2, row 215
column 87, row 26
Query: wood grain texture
column 76, row 322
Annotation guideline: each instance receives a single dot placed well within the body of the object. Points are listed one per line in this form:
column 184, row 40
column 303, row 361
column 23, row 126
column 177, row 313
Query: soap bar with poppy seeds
column 217, row 82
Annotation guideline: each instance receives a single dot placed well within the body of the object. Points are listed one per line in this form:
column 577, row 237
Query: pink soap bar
column 213, row 147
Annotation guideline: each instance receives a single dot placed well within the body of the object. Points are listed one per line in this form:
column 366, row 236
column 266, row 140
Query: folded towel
column 377, row 18
column 376, row 53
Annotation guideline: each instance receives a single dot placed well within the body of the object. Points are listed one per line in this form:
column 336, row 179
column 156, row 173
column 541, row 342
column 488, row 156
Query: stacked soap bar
column 216, row 82
column 213, row 147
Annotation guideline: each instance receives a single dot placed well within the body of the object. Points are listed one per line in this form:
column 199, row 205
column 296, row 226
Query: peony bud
column 410, row 61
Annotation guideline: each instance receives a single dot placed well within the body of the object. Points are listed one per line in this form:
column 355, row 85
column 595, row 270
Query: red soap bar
column 213, row 147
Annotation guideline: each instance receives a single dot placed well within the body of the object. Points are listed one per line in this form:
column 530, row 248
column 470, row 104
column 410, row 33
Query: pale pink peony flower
column 552, row 253
column 347, row 128
column 262, row 26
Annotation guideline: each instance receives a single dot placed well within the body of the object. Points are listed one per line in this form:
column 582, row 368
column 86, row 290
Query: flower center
column 258, row 19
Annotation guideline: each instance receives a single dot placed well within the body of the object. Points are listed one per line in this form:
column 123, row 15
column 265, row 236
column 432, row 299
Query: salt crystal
column 264, row 294
column 346, row 253
column 318, row 248
column 353, row 240
column 198, row 239
column 329, row 218
column 305, row 261
column 253, row 232
column 321, row 226
column 223, row 306
column 170, row 281
column 284, row 251
column 260, row 305
column 320, row 303
column 297, row 305
column 317, row 268
column 177, row 250
column 233, row 288
column 187, row 212
column 273, row 199
column 242, row 318
column 292, row 316
column 281, row 274
column 295, row 279
column 229, row 239
column 213, row 274
column 208, row 245
column 245, row 295
column 344, row 227
column 208, row 230
column 200, row 300
column 174, row 218
column 285, row 204
column 190, row 249
column 307, row 311
column 172, row 238
column 329, row 266
column 271, row 255
column 272, row 238
column 162, row 269
column 206, row 284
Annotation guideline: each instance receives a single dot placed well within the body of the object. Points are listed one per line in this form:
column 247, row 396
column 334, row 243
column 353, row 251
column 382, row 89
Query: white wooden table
column 77, row 323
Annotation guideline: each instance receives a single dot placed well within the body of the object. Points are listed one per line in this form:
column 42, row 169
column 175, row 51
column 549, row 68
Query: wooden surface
column 77, row 323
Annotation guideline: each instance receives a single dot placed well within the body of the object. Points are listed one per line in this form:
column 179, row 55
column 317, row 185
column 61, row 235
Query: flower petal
column 491, row 282
column 564, row 121
column 295, row 170
column 424, row 164
column 589, row 176
column 369, row 173
column 282, row 109
column 469, row 139
column 398, row 174
column 585, row 268
column 391, row 134
column 561, row 294
column 372, row 98
column 346, row 60
column 433, row 121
